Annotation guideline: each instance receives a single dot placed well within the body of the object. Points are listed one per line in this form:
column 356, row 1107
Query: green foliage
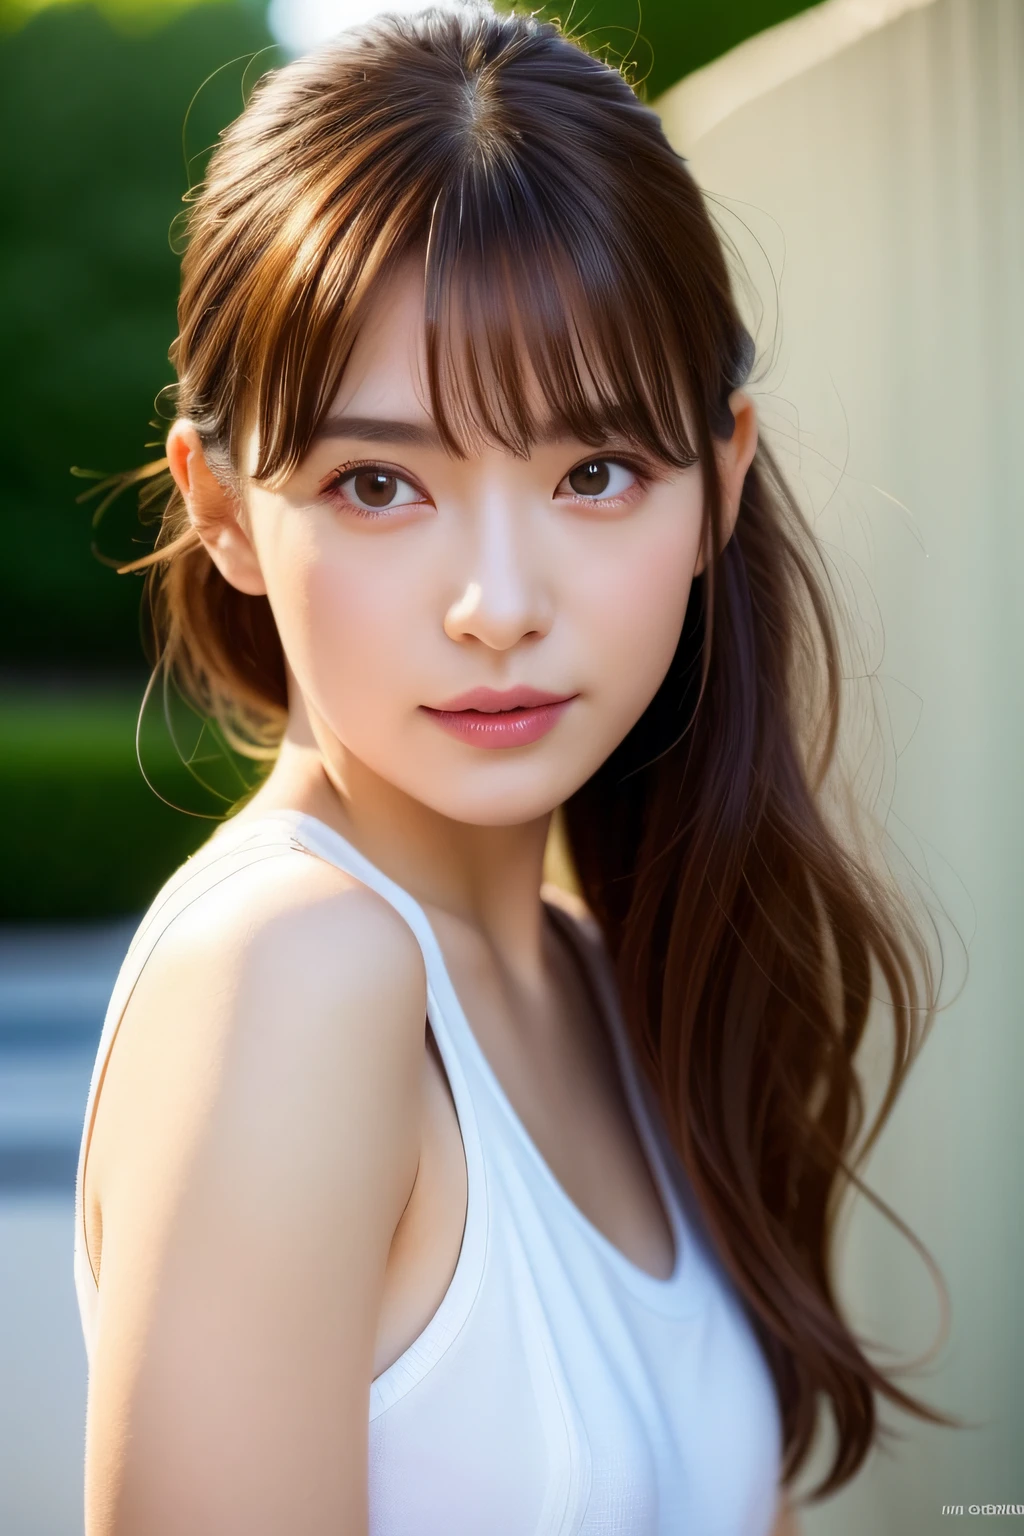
column 663, row 40
column 127, row 15
column 91, row 175
column 85, row 835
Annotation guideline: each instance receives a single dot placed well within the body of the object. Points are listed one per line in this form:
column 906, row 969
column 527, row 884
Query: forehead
column 386, row 373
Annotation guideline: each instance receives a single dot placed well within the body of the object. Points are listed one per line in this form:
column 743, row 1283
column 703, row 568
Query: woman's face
column 404, row 581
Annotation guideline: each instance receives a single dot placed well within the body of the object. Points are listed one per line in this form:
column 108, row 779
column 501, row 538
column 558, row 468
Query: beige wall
column 884, row 189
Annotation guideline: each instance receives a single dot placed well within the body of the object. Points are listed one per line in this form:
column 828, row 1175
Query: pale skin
column 493, row 570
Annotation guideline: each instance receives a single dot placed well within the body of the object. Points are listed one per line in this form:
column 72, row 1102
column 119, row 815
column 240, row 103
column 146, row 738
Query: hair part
column 565, row 243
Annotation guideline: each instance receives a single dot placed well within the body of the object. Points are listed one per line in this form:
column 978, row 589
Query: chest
column 554, row 1070
column 563, row 1407
column 551, row 1060
column 564, row 1386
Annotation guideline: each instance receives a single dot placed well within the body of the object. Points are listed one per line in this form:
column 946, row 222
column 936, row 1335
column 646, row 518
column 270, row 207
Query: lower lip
column 508, row 728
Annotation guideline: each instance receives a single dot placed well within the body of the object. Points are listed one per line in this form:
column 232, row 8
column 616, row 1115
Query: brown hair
column 556, row 223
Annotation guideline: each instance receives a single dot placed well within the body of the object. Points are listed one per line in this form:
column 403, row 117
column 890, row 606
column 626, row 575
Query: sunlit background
column 866, row 160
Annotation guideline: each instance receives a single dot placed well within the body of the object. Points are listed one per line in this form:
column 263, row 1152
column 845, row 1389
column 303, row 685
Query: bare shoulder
column 294, row 921
column 287, row 967
column 258, row 1146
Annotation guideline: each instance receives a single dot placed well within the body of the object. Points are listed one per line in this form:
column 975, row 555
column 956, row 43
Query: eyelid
column 332, row 483
column 351, row 465
column 632, row 461
column 644, row 473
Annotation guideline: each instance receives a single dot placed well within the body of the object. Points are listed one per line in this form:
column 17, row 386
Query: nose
column 504, row 599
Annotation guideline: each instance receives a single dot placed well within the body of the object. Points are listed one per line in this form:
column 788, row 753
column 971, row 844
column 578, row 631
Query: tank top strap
column 316, row 837
column 464, row 1060
column 448, row 1023
column 233, row 845
column 678, row 1195
column 581, row 928
column 238, row 844
column 230, row 849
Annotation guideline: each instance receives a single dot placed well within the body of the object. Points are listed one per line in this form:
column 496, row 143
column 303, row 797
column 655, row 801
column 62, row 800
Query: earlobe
column 214, row 511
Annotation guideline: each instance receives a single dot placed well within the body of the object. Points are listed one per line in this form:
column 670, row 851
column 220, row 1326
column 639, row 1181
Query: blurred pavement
column 54, row 988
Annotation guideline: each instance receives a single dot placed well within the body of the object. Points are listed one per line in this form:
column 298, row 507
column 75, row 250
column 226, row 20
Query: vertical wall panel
column 885, row 187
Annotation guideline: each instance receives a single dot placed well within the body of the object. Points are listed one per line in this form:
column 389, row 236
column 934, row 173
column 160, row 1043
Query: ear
column 214, row 510
column 733, row 456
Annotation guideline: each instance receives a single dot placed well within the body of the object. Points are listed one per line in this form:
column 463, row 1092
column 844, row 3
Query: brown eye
column 368, row 489
column 603, row 479
column 590, row 479
column 374, row 487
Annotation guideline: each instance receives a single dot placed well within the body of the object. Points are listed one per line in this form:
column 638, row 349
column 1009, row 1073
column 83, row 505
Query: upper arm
column 268, row 1139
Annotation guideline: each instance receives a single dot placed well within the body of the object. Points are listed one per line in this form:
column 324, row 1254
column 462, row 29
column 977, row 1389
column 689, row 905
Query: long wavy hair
column 556, row 225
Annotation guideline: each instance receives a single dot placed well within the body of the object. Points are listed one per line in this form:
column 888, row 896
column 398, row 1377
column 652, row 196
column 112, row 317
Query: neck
column 487, row 877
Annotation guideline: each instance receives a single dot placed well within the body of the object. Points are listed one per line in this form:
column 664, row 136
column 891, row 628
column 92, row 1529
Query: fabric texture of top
column 559, row 1389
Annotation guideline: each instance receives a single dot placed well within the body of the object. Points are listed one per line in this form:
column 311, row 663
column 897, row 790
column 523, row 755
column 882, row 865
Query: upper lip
column 492, row 701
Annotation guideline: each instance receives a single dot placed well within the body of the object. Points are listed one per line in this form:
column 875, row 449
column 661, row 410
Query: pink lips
column 485, row 717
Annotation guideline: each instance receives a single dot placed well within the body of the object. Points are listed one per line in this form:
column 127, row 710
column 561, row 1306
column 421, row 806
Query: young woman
column 420, row 1197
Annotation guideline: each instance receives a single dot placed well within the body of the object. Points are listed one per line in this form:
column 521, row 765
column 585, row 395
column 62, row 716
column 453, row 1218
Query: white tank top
column 558, row 1388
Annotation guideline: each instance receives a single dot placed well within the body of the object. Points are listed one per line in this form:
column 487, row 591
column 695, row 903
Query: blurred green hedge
column 85, row 837
column 92, row 172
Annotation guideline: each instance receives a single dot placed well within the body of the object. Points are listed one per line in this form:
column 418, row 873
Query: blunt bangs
column 533, row 324
column 541, row 320
column 546, row 307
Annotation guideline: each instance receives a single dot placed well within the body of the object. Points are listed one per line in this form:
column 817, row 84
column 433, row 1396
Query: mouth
column 485, row 717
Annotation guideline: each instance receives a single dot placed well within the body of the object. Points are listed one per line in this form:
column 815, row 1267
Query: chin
column 490, row 810
column 501, row 790
column 496, row 799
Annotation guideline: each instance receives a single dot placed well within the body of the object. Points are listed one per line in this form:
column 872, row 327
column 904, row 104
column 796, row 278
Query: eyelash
column 332, row 486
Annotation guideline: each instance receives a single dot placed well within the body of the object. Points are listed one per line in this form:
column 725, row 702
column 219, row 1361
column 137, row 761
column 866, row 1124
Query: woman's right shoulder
column 283, row 910
column 279, row 971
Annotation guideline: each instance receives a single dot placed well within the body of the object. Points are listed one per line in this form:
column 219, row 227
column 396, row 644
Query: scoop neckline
column 670, row 1293
column 609, row 1021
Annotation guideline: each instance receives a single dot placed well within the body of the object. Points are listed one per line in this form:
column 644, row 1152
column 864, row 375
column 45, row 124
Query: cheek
column 634, row 604
column 352, row 646
column 345, row 616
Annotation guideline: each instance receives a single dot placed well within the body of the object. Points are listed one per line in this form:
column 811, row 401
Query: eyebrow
column 373, row 429
column 376, row 429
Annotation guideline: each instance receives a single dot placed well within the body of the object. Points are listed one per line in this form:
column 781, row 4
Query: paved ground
column 54, row 987
column 42, row 1366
